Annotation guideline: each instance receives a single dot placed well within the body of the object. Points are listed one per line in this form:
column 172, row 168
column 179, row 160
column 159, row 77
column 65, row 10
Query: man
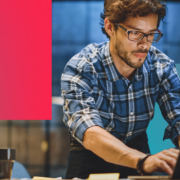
column 110, row 90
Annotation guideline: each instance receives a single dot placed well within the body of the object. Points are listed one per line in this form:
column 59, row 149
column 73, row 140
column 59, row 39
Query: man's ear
column 109, row 27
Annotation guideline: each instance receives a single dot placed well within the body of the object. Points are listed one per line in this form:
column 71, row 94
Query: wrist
column 140, row 164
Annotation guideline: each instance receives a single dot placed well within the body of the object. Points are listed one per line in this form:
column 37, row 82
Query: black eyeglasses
column 137, row 35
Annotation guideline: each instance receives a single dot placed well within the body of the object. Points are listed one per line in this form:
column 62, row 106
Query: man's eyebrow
column 129, row 26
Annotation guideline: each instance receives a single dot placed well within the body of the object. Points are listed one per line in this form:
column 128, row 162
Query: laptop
column 175, row 175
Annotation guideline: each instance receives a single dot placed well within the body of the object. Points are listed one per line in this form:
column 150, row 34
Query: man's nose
column 143, row 43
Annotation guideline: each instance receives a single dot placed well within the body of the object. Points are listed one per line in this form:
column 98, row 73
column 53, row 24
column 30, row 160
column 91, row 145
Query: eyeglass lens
column 152, row 37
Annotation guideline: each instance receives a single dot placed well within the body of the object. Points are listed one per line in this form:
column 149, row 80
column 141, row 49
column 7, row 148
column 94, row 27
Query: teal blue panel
column 156, row 130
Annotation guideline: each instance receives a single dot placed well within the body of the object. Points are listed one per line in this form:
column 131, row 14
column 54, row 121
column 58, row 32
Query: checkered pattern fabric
column 95, row 93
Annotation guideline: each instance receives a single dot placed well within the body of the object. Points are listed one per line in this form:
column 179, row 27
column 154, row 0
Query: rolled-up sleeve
column 169, row 102
column 80, row 112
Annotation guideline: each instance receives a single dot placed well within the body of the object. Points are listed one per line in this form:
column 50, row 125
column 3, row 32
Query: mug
column 7, row 158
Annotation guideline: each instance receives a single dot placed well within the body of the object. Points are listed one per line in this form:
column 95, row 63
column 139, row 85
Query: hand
column 161, row 162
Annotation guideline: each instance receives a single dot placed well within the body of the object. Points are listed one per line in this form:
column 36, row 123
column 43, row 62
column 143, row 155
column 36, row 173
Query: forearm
column 110, row 148
column 179, row 140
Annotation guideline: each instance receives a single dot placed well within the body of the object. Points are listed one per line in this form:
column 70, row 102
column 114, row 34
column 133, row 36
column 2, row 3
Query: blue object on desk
column 19, row 171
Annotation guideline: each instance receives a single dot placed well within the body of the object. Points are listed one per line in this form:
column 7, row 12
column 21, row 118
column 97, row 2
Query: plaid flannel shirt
column 96, row 94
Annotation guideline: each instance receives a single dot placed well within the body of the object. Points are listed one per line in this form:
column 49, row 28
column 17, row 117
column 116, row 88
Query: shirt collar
column 111, row 71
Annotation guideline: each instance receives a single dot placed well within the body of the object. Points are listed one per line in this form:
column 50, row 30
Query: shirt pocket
column 101, row 100
column 121, row 106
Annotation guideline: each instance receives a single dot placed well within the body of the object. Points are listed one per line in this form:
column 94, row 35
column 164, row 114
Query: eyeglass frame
column 127, row 31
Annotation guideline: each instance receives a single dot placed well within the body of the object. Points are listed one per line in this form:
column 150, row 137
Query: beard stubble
column 123, row 54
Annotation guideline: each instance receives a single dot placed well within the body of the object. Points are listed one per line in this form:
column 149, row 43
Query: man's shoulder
column 158, row 59
column 91, row 55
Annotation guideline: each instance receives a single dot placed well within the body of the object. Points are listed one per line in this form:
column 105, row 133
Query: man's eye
column 152, row 34
column 135, row 32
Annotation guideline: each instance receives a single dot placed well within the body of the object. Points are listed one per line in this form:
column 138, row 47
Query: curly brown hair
column 117, row 11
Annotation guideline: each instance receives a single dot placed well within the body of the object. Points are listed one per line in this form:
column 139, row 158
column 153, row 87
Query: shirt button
column 131, row 113
column 129, row 134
